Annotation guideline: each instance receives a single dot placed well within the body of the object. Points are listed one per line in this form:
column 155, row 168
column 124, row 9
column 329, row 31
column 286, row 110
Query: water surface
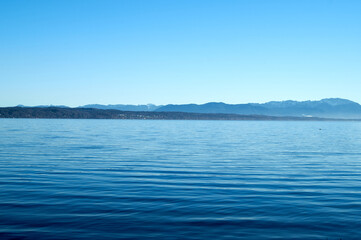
column 148, row 179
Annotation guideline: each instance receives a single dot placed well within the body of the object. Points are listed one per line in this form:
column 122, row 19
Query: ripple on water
column 85, row 179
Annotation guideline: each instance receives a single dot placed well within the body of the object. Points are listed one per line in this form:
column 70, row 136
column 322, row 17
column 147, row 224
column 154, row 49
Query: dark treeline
column 91, row 113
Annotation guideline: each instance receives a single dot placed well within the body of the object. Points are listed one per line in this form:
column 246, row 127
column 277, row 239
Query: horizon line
column 147, row 104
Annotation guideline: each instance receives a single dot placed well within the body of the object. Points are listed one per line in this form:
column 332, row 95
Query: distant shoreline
column 92, row 113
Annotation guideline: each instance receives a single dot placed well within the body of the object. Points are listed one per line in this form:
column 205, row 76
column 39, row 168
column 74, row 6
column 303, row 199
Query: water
column 130, row 179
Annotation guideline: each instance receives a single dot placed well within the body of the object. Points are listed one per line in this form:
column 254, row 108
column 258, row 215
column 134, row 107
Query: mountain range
column 123, row 107
column 325, row 108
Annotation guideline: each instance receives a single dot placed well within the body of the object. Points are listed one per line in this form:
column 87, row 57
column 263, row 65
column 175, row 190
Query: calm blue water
column 130, row 179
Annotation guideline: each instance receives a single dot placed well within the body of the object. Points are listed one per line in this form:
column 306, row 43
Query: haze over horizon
column 75, row 52
column 144, row 104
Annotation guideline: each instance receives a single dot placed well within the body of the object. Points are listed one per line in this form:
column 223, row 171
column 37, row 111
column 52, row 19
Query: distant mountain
column 325, row 108
column 122, row 107
column 214, row 107
column 43, row 106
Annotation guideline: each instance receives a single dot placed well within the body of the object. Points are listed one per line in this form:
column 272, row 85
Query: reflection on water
column 129, row 179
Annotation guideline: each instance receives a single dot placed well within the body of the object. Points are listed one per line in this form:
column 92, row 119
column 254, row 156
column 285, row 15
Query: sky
column 77, row 52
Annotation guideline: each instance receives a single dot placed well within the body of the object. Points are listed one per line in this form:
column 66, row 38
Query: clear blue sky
column 75, row 52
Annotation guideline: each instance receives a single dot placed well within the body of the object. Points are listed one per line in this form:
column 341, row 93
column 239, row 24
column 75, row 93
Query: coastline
column 92, row 113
